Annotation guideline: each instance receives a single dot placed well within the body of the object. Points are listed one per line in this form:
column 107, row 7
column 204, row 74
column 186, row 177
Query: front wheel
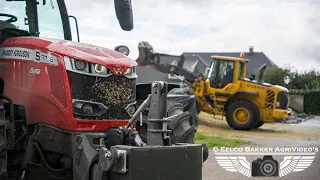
column 261, row 123
column 242, row 115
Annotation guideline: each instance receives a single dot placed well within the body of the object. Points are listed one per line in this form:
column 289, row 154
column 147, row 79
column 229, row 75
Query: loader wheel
column 261, row 123
column 182, row 128
column 3, row 142
column 242, row 115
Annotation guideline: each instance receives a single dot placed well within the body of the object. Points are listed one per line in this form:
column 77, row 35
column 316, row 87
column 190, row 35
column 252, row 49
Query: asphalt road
column 212, row 170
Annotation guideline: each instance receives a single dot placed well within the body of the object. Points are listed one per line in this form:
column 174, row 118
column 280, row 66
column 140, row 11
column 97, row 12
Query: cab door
column 221, row 78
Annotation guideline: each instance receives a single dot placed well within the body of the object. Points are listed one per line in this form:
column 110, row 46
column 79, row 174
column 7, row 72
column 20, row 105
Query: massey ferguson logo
column 118, row 70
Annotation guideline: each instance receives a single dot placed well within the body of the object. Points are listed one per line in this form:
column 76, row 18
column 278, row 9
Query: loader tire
column 261, row 123
column 3, row 143
column 242, row 115
column 182, row 129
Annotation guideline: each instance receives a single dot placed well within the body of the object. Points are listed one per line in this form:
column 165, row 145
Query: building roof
column 256, row 59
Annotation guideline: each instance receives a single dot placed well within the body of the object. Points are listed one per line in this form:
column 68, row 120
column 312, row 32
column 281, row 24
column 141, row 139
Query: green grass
column 213, row 141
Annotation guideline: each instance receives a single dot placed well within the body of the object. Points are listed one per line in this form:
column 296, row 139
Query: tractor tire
column 242, row 115
column 94, row 172
column 185, row 91
column 3, row 144
column 182, row 128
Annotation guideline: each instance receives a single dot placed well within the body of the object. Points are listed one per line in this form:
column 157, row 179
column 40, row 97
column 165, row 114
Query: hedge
column 311, row 100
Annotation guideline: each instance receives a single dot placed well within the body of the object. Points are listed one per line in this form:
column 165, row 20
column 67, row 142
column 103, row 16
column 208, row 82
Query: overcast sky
column 287, row 31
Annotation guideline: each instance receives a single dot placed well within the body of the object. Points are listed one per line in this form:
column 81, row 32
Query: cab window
column 50, row 22
column 221, row 73
column 15, row 9
column 226, row 70
column 212, row 76
column 240, row 71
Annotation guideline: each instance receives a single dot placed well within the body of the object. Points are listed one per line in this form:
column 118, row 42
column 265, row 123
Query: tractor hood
column 76, row 50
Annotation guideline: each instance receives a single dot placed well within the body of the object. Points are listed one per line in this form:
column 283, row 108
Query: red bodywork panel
column 46, row 96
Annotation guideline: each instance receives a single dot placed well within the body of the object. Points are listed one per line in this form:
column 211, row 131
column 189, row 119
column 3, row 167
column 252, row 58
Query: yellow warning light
column 242, row 55
column 171, row 69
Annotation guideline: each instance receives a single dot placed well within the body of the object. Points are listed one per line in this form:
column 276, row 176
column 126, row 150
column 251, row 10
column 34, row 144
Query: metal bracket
column 121, row 166
column 107, row 160
column 157, row 132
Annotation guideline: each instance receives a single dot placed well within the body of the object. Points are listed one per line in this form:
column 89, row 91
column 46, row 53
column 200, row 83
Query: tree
column 275, row 75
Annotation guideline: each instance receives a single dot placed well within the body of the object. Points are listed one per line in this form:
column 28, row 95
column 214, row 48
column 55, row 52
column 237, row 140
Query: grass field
column 214, row 141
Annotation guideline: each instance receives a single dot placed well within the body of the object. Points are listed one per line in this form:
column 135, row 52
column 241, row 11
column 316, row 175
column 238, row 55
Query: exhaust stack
column 261, row 71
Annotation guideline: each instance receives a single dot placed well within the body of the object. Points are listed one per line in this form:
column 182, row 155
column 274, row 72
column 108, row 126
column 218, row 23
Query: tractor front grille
column 269, row 102
column 115, row 92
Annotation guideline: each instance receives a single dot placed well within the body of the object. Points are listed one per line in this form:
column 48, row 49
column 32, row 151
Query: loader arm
column 188, row 77
column 147, row 57
column 194, row 80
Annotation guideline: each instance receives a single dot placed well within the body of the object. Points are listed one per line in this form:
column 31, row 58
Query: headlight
column 100, row 69
column 80, row 65
column 131, row 110
column 278, row 104
column 93, row 69
column 87, row 109
column 76, row 65
column 128, row 71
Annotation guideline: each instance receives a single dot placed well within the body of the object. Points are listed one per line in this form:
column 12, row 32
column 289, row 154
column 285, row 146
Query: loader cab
column 225, row 70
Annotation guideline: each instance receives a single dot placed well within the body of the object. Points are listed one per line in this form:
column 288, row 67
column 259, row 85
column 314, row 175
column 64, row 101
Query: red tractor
column 68, row 109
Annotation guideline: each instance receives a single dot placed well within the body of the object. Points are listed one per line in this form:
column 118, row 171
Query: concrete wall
column 297, row 102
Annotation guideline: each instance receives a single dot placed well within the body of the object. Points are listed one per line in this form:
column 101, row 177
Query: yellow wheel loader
column 246, row 103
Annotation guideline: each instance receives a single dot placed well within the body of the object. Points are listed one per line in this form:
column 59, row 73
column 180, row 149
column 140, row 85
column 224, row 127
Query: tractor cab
column 45, row 19
column 48, row 19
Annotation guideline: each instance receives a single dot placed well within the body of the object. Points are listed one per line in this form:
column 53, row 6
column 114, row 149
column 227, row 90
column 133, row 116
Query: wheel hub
column 241, row 115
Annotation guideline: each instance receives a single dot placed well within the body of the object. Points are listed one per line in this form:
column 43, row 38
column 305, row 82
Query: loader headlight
column 80, row 65
column 278, row 104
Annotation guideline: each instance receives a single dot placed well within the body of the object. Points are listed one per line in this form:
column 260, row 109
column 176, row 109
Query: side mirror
column 124, row 14
column 123, row 49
